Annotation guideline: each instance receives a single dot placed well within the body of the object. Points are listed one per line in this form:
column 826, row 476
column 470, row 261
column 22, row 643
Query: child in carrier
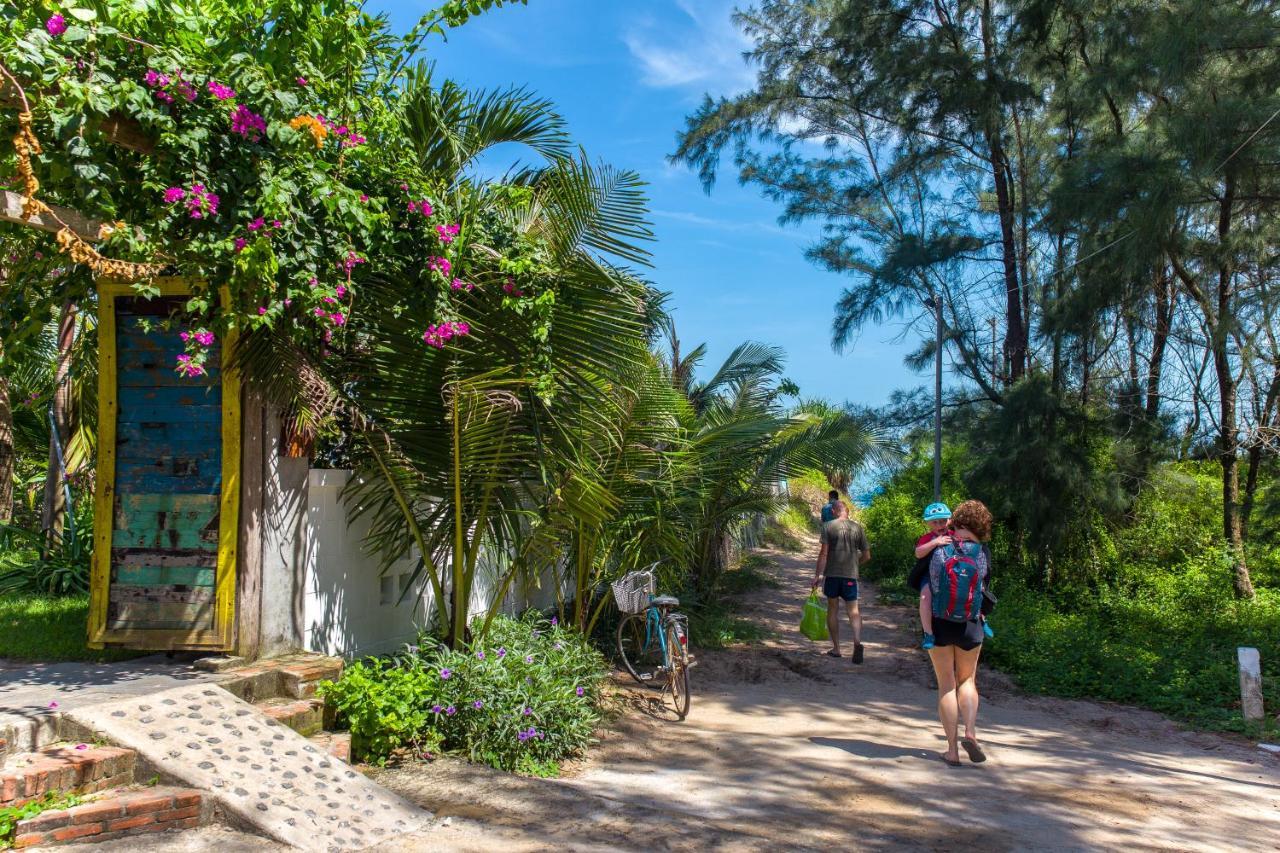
column 937, row 517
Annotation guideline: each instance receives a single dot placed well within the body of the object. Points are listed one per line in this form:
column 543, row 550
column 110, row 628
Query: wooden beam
column 84, row 227
column 118, row 129
column 249, row 567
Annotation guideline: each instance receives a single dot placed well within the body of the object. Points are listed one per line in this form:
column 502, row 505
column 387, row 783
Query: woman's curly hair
column 974, row 517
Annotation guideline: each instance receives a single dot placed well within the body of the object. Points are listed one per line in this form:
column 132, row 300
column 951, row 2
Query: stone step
column 115, row 814
column 337, row 744
column 67, row 769
column 259, row 773
column 304, row 716
column 291, row 677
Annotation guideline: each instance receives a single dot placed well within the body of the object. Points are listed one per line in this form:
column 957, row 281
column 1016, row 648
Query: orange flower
column 318, row 130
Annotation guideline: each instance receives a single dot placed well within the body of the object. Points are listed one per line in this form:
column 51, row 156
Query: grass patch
column 36, row 628
column 715, row 624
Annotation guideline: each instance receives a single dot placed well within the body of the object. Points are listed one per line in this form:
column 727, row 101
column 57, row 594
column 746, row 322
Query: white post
column 1250, row 684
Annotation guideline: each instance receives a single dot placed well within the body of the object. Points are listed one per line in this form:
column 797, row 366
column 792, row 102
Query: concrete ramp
column 266, row 775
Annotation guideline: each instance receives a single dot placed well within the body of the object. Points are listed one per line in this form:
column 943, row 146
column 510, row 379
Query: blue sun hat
column 936, row 512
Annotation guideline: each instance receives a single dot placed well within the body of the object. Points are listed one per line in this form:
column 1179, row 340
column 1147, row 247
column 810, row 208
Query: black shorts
column 963, row 635
column 846, row 588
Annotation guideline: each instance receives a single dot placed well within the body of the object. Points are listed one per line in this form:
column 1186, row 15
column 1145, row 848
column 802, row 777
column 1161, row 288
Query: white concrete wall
column 348, row 608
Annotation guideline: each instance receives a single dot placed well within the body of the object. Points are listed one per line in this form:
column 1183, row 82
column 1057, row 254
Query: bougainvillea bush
column 524, row 698
column 271, row 162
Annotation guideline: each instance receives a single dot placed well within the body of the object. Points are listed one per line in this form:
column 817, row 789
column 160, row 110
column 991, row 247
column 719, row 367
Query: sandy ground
column 787, row 749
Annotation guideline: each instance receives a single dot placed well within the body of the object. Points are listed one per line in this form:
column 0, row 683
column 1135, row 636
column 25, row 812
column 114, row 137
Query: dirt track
column 787, row 749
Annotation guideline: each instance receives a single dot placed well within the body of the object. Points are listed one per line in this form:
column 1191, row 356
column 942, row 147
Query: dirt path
column 787, row 749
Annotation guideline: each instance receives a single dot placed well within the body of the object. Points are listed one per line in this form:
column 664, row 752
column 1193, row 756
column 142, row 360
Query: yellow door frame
column 222, row 637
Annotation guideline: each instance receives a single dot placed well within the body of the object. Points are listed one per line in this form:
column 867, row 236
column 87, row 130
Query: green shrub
column 64, row 571
column 1169, row 646
column 524, row 698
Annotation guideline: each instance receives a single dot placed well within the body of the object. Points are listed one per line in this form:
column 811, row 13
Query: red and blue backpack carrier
column 958, row 597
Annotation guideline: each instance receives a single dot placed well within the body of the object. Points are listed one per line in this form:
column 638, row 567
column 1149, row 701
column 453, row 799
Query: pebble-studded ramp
column 263, row 773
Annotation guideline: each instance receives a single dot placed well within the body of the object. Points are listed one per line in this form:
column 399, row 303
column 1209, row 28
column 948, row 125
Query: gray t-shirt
column 845, row 541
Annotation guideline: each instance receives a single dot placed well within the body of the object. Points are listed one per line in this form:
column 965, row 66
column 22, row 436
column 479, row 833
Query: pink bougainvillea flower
column 219, row 91
column 204, row 338
column 262, row 309
column 276, row 223
column 82, row 746
column 288, row 302
column 440, row 265
column 340, row 290
column 330, row 300
column 363, row 198
column 302, row 81
column 185, row 336
column 56, row 25
column 319, row 312
column 338, row 318
column 185, row 89
column 448, row 232
column 201, row 202
column 247, row 123
column 257, row 223
column 341, row 130
column 425, row 207
column 350, row 262
column 53, row 704
column 313, row 281
column 404, row 188
column 240, row 244
column 174, row 194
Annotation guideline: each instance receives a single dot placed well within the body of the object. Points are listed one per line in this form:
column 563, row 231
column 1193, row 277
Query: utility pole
column 934, row 303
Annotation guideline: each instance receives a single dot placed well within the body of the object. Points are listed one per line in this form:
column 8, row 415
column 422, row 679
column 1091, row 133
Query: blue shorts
column 846, row 588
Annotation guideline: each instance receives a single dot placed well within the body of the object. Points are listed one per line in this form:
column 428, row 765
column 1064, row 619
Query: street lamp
column 934, row 304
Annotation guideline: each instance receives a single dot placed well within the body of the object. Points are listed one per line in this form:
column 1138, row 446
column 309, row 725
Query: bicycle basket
column 632, row 591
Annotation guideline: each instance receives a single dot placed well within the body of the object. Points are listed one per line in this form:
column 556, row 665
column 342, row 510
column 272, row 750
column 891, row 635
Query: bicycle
column 653, row 639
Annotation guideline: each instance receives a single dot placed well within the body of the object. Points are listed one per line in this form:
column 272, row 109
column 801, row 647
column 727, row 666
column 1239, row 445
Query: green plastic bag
column 813, row 624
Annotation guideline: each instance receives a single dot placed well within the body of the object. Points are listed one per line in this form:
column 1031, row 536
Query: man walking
column 844, row 549
column 829, row 508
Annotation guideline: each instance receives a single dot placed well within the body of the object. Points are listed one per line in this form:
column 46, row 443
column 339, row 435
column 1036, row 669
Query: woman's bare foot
column 952, row 758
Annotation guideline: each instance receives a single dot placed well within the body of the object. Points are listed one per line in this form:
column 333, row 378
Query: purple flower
column 528, row 658
column 57, row 25
column 446, row 674
column 53, row 704
column 450, row 711
column 82, row 746
column 219, row 91
column 247, row 123
column 528, row 712
column 559, row 646
column 436, row 709
column 477, row 704
column 581, row 691
column 502, row 651
column 479, row 655
column 554, row 621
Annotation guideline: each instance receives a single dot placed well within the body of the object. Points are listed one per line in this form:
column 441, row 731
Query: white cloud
column 702, row 52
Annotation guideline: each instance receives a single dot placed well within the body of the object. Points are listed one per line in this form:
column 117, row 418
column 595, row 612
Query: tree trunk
column 54, row 514
column 1229, row 438
column 8, row 456
column 1159, row 340
column 1015, row 339
column 1270, row 418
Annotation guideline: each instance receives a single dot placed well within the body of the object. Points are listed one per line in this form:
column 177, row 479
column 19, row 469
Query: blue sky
column 625, row 74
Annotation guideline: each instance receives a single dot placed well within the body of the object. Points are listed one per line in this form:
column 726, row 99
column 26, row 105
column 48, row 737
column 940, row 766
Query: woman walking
column 950, row 609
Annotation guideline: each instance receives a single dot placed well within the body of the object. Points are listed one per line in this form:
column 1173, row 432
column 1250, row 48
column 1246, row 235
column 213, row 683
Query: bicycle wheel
column 678, row 674
column 639, row 649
